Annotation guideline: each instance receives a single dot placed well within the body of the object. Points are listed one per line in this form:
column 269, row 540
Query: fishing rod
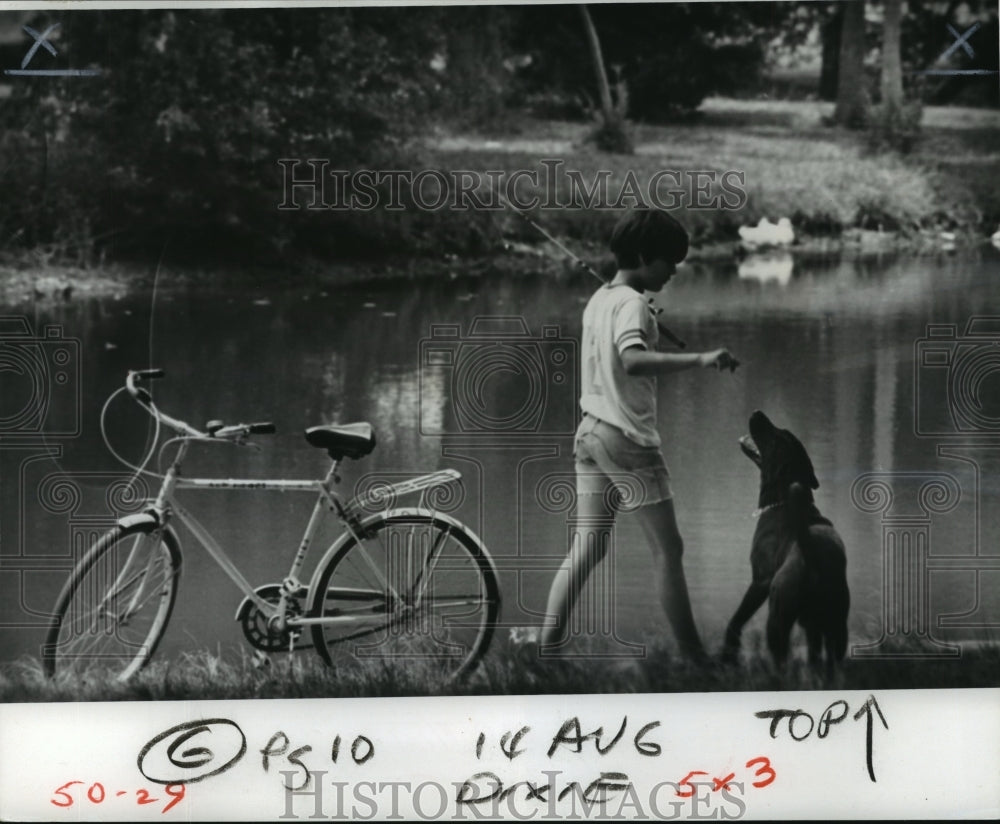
column 582, row 264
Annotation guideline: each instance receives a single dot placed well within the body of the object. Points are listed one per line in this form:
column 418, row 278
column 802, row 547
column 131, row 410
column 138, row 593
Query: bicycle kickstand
column 293, row 637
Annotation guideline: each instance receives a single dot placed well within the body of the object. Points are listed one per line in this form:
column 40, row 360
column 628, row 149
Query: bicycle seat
column 351, row 440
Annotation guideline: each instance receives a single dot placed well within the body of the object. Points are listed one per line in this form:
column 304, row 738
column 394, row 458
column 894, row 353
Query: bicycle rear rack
column 382, row 497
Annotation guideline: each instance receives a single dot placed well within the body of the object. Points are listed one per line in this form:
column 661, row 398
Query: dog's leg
column 755, row 596
column 783, row 608
column 779, row 633
column 814, row 639
column 836, row 647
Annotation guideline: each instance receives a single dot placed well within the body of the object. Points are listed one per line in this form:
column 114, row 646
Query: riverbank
column 842, row 200
column 23, row 284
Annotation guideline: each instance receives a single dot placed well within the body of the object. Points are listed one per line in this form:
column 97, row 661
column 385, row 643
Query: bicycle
column 416, row 583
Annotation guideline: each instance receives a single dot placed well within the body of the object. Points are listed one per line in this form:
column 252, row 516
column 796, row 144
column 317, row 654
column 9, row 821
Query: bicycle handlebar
column 240, row 429
column 136, row 376
column 234, row 432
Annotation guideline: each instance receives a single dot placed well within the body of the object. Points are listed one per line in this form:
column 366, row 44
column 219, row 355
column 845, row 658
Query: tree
column 611, row 133
column 830, row 29
column 852, row 96
column 892, row 68
column 669, row 55
column 895, row 124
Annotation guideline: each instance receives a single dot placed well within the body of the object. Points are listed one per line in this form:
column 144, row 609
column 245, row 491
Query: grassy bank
column 825, row 180
column 841, row 198
column 206, row 675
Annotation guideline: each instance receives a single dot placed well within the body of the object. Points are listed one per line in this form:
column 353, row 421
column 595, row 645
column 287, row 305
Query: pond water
column 873, row 365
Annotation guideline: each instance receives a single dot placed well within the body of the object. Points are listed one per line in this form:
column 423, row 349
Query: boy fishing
column 617, row 435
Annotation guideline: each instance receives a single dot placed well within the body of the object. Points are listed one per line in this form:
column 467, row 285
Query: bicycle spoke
column 380, row 579
column 432, row 558
column 150, row 561
column 117, row 586
column 429, row 599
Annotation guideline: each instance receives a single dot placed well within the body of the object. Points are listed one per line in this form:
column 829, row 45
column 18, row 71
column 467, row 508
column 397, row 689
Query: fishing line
column 582, row 264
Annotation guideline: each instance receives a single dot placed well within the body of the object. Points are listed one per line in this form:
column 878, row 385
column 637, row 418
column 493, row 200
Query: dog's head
column 781, row 457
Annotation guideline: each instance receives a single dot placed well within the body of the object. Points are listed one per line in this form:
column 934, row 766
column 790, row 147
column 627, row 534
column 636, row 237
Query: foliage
column 175, row 146
column 475, row 67
column 180, row 135
column 670, row 56
column 664, row 88
column 612, row 136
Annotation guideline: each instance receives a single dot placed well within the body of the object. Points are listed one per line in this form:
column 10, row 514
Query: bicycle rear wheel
column 419, row 592
column 115, row 606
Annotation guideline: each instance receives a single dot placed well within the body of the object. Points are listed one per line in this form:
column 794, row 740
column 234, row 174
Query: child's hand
column 720, row 359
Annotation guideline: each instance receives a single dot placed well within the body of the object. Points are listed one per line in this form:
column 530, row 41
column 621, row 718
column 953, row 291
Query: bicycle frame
column 166, row 507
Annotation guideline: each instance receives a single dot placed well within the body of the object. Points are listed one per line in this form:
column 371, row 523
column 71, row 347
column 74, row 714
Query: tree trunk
column 597, row 60
column 852, row 97
column 611, row 134
column 898, row 123
column 892, row 68
column 830, row 33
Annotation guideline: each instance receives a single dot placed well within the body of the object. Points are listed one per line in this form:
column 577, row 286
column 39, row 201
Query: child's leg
column 586, row 552
column 660, row 525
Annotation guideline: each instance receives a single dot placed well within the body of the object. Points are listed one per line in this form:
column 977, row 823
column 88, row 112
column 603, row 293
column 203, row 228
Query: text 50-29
column 97, row 794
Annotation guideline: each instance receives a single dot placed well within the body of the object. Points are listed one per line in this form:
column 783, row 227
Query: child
column 618, row 436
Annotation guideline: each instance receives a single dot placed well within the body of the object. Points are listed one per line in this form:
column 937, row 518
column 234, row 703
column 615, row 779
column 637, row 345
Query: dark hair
column 650, row 233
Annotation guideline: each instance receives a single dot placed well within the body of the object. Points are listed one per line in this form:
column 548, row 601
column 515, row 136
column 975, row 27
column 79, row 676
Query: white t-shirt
column 617, row 317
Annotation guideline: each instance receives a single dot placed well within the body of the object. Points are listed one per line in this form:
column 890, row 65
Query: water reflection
column 829, row 354
column 775, row 266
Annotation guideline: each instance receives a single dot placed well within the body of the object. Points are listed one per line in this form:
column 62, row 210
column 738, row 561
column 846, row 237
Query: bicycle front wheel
column 419, row 593
column 115, row 606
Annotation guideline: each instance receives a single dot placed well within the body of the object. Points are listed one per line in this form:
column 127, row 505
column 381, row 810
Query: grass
column 206, row 675
column 825, row 179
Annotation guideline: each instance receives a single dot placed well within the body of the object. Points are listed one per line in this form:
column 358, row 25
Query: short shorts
column 603, row 453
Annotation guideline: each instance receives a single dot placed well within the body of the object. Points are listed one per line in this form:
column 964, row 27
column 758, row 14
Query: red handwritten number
column 96, row 794
column 685, row 780
column 765, row 769
column 62, row 791
column 176, row 792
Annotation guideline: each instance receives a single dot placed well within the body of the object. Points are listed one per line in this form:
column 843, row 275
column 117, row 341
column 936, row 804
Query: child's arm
column 639, row 361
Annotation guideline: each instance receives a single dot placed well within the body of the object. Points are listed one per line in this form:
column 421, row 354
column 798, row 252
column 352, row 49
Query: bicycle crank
column 261, row 631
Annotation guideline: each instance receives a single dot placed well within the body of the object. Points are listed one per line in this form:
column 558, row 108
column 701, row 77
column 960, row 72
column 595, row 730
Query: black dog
column 797, row 557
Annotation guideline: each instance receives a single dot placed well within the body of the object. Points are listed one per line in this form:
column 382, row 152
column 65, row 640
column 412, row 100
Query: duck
column 766, row 233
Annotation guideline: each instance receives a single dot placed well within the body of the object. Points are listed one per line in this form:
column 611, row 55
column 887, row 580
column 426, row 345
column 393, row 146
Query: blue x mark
column 40, row 40
column 960, row 41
